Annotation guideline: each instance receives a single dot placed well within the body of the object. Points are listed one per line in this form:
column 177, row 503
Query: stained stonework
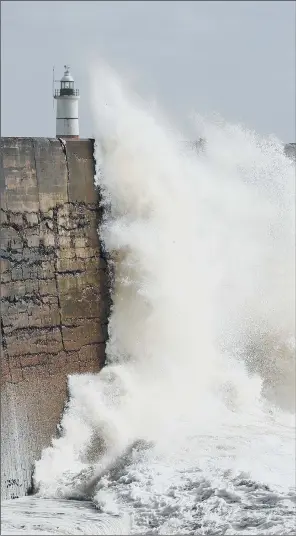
column 54, row 292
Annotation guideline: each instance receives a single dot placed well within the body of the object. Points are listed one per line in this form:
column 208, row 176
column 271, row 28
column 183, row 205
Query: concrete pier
column 54, row 292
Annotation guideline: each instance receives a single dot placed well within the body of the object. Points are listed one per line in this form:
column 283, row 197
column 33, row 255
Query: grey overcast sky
column 231, row 57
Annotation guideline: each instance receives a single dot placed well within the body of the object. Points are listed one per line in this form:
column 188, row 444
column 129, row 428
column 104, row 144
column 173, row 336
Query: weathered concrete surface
column 54, row 292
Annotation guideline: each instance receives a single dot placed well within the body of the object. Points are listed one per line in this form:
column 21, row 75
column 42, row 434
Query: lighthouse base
column 67, row 137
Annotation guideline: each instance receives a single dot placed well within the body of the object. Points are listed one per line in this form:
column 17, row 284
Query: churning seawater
column 190, row 428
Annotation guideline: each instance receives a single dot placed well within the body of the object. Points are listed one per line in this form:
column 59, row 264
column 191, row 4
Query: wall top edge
column 27, row 138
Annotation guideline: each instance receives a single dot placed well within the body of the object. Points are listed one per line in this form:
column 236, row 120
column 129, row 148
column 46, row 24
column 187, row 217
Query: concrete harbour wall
column 54, row 292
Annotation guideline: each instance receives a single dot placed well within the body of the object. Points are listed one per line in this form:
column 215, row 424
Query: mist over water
column 190, row 426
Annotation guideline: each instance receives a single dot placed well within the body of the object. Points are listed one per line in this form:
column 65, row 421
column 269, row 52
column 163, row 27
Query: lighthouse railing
column 66, row 92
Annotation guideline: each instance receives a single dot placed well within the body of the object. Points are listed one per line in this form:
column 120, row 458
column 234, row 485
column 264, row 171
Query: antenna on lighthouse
column 53, row 88
column 67, row 97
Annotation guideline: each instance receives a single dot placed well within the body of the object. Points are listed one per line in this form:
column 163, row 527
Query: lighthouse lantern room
column 67, row 97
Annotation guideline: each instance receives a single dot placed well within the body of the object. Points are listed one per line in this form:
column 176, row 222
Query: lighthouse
column 67, row 97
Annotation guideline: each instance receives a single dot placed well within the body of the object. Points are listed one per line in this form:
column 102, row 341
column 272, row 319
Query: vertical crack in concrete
column 36, row 173
column 64, row 149
column 56, row 240
column 56, row 235
column 3, row 338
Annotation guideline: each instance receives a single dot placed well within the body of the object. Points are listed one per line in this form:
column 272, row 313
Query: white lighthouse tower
column 67, row 97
